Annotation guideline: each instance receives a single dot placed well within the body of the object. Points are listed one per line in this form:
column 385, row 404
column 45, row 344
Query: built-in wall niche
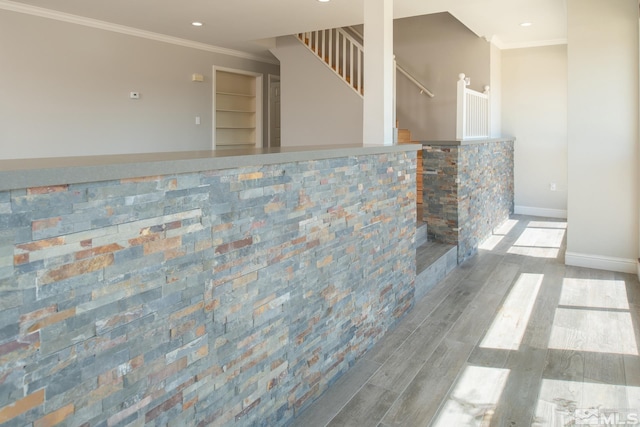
column 238, row 109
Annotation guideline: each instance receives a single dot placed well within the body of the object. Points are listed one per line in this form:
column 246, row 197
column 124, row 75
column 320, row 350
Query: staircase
column 433, row 260
column 341, row 52
column 344, row 54
column 404, row 137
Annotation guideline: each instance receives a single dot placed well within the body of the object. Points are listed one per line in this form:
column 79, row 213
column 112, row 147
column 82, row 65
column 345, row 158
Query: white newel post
column 461, row 109
column 487, row 92
column 378, row 73
column 473, row 111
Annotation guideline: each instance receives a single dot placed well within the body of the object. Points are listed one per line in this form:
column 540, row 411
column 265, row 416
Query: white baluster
column 331, row 48
column 351, row 60
column 344, row 57
column 360, row 71
column 340, row 51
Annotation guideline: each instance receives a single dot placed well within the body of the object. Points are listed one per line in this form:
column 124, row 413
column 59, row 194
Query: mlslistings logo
column 586, row 417
column 605, row 417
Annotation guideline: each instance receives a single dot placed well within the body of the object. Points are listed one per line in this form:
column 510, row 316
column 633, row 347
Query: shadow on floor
column 511, row 337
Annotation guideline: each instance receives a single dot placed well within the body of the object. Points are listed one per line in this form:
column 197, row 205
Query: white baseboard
column 601, row 262
column 549, row 213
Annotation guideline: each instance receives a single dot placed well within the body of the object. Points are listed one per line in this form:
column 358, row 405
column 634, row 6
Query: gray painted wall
column 435, row 49
column 64, row 91
column 317, row 108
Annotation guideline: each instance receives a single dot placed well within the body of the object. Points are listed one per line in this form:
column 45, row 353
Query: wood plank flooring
column 512, row 337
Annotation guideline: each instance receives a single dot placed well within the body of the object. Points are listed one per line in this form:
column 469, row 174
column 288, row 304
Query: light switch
column 197, row 120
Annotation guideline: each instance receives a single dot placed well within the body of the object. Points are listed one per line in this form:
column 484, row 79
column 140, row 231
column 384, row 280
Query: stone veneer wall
column 231, row 297
column 467, row 192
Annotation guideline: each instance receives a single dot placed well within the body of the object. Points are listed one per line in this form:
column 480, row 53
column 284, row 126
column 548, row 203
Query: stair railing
column 473, row 111
column 341, row 52
column 413, row 80
column 423, row 88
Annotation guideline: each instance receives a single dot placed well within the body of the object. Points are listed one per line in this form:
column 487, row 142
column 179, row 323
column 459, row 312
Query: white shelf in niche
column 238, row 118
column 235, row 127
column 235, row 94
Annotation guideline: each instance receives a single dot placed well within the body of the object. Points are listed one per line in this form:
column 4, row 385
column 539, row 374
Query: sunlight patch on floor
column 595, row 293
column 567, row 403
column 490, row 242
column 474, row 398
column 593, row 330
column 510, row 323
column 505, row 227
column 540, row 238
column 499, row 232
column 539, row 242
column 593, row 315
column 534, row 252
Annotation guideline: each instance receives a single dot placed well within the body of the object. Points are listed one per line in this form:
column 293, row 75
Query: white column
column 378, row 72
column 602, row 117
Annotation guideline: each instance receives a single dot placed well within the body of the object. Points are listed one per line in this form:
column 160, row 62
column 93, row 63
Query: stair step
column 421, row 233
column 404, row 135
column 433, row 262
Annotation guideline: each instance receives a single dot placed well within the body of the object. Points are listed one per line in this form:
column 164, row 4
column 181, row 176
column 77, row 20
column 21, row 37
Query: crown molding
column 497, row 42
column 540, row 43
column 123, row 29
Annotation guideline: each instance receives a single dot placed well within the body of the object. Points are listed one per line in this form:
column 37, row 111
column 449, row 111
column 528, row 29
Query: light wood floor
column 512, row 337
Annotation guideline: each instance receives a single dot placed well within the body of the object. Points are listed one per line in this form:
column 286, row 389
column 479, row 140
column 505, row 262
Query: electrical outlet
column 552, row 186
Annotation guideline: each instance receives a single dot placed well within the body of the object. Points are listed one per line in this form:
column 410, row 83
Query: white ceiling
column 238, row 24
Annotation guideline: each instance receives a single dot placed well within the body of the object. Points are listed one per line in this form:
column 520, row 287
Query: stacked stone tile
column 227, row 297
column 468, row 191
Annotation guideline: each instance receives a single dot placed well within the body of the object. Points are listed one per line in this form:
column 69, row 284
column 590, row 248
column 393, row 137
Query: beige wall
column 64, row 91
column 534, row 110
column 435, row 49
column 603, row 133
column 317, row 107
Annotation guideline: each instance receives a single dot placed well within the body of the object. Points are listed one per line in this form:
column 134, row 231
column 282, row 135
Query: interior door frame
column 259, row 100
column 271, row 78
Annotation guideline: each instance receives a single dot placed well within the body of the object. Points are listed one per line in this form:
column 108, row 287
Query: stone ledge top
column 464, row 142
column 40, row 172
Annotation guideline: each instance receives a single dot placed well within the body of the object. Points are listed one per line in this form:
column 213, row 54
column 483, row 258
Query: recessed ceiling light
column 324, row 1
column 197, row 24
column 526, row 24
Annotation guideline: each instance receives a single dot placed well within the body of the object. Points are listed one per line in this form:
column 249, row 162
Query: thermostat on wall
column 134, row 95
column 197, row 77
